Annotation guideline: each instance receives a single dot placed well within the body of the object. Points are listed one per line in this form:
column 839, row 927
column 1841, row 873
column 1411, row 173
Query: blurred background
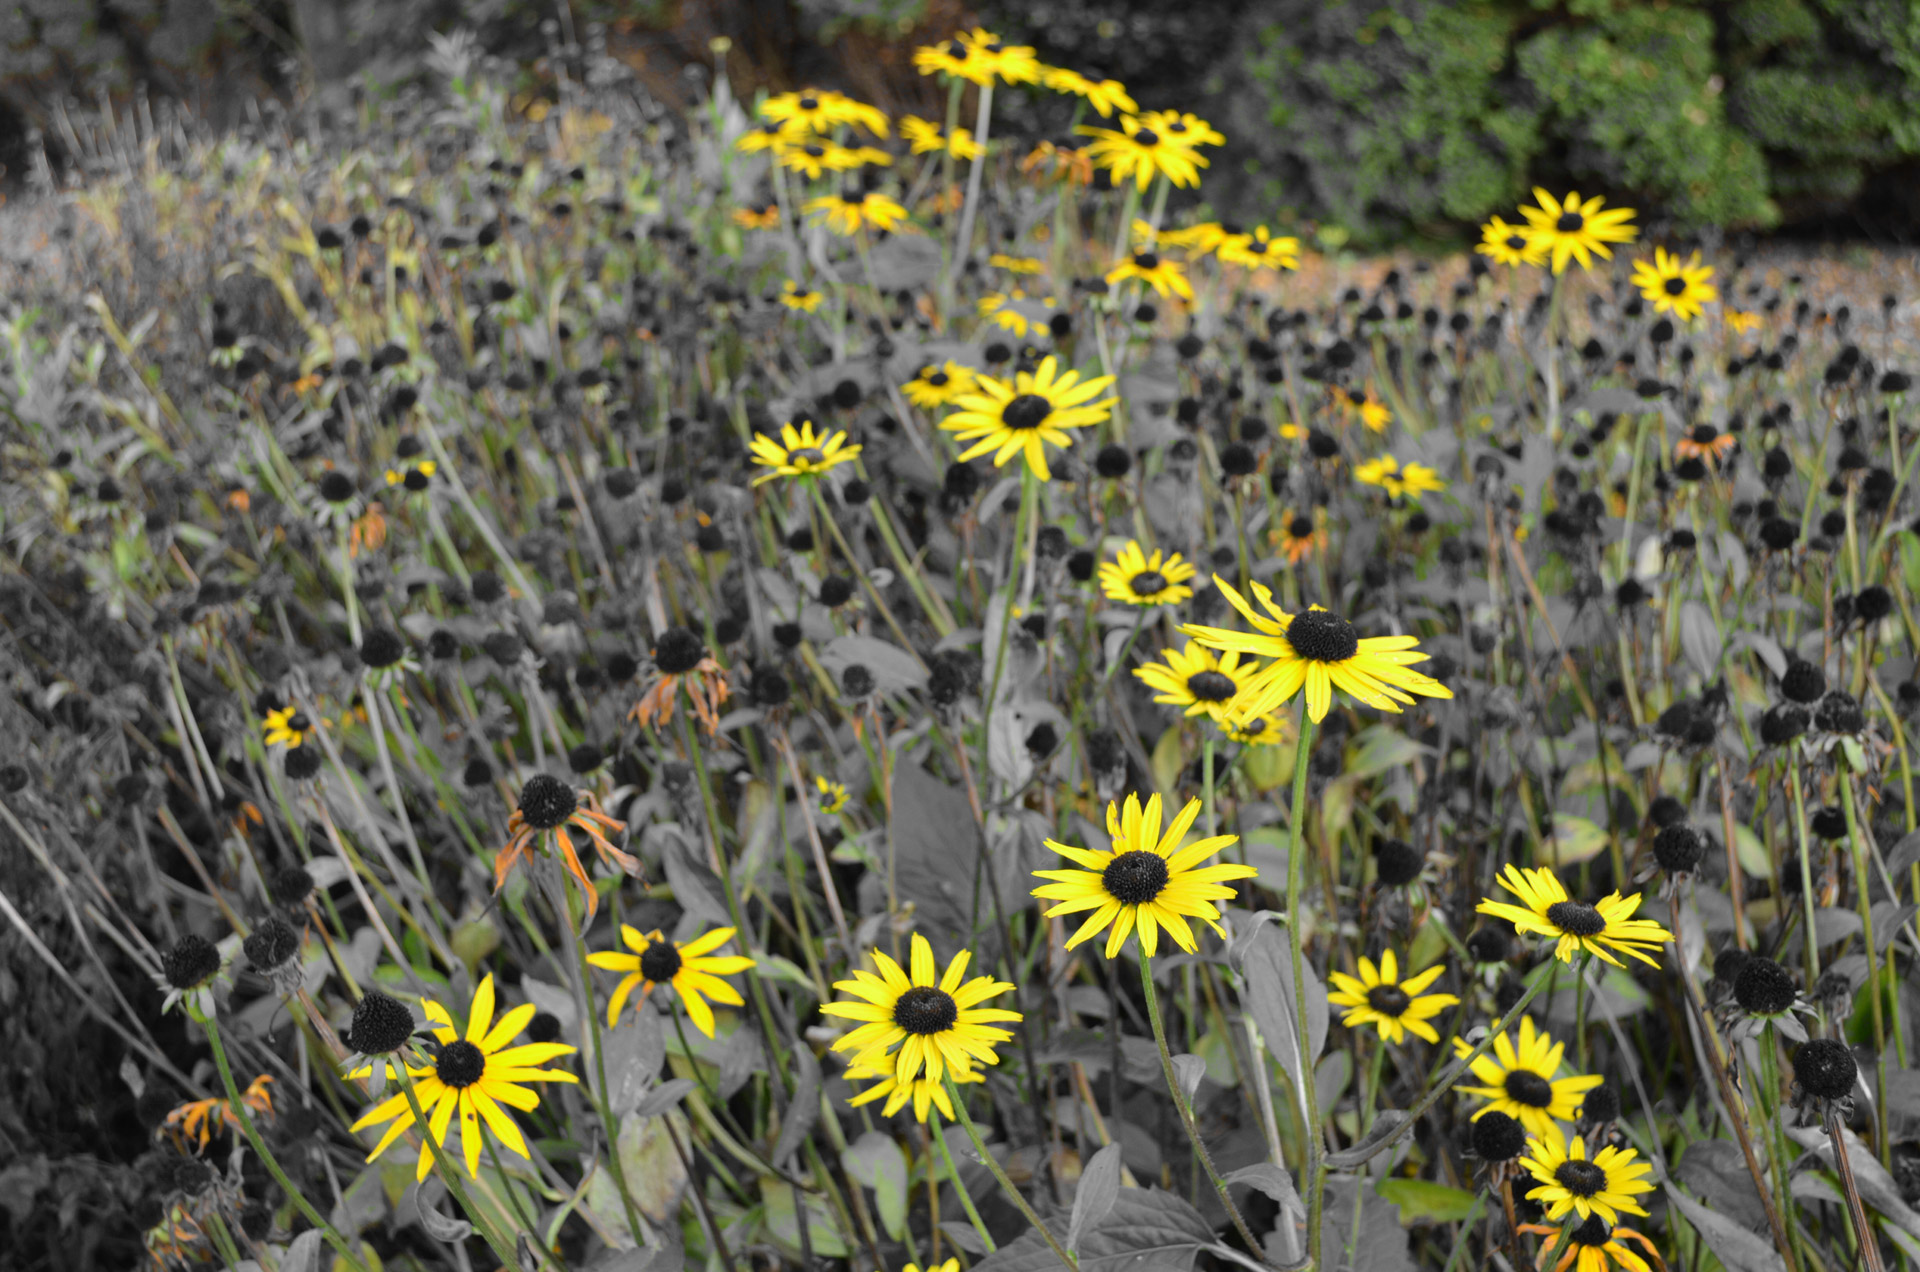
column 1373, row 123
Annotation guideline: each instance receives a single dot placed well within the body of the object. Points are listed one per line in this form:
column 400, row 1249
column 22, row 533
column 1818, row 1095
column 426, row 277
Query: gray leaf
column 1144, row 1230
column 695, row 886
column 894, row 669
column 1285, row 1244
column 1360, row 1230
column 634, row 1053
column 1386, row 1124
column 442, row 1228
column 902, row 262
column 1265, row 961
column 303, row 1252
column 802, row 1111
column 1738, row 1249
column 1876, row 1186
column 664, row 1097
column 1699, row 638
column 1099, row 1189
column 1189, row 1070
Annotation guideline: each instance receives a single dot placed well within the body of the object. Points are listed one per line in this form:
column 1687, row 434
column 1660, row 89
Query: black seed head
column 1803, row 682
column 1498, row 1137
column 382, row 647
column 1113, row 462
column 1779, row 534
column 836, row 590
column 1322, row 636
column 461, row 1063
column 271, row 944
column 1783, row 723
column 1524, row 1086
column 1028, row 411
column 303, row 763
column 1825, row 1069
column 1576, row 918
column 1396, row 862
column 544, row 1027
column 1601, row 1105
column 1582, row 1179
column 336, row 486
column 1389, row 1000
column 291, row 886
column 660, row 962
column 1665, row 810
column 1839, row 713
column 1678, row 848
column 1489, row 945
column 1135, row 878
column 381, row 1025
column 1763, row 988
column 1830, row 823
column 925, row 1010
column 856, row 681
column 585, row 758
column 191, row 962
column 770, row 688
column 1211, row 686
column 678, row 651
column 1148, row 583
column 546, row 802
column 1593, row 1231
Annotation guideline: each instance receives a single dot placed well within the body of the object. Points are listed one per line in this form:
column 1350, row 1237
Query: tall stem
column 1296, row 879
column 449, row 1174
column 959, row 1184
column 1006, row 1185
column 963, row 245
column 1857, row 1213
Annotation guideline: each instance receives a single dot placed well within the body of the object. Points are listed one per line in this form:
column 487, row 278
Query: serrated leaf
column 1099, row 1190
column 1146, row 1229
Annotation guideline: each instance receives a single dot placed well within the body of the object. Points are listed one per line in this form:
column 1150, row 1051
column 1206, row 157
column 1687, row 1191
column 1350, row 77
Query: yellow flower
column 979, row 56
column 848, row 214
column 925, row 1093
column 1027, row 414
column 923, row 137
column 767, row 218
column 1105, row 96
column 1260, row 249
column 794, row 296
column 1523, row 1081
column 1386, row 473
column 1395, row 1007
column 472, row 1076
column 822, row 112
column 1372, row 411
column 813, row 156
column 1015, row 264
column 1299, row 536
column 1604, row 1184
column 772, row 136
column 1547, row 910
column 1161, row 273
column 1183, row 127
column 1317, row 652
column 1741, row 320
column 1134, row 578
column 1572, row 230
column 1015, row 313
column 801, row 452
column 1259, row 731
column 935, row 1020
column 288, row 727
column 1142, row 153
column 691, row 970
column 1197, row 679
column 1595, row 1246
column 1506, row 244
column 1146, row 881
column 933, row 386
column 833, row 795
column 1675, row 287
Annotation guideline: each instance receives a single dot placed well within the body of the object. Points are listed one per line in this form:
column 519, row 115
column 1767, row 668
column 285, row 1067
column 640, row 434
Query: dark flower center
column 1570, row 223
column 678, row 651
column 1674, row 286
column 1582, row 1179
column 1135, row 878
column 1704, row 434
column 1576, row 918
column 1516, row 242
column 809, row 103
column 1029, row 410
column 1146, row 260
column 1322, row 636
column 1211, row 686
column 1594, row 1232
column 299, row 723
column 939, row 379
column 925, row 1009
column 1389, row 1000
column 956, row 49
column 336, row 487
column 1300, row 528
column 1148, row 583
column 1146, row 137
column 805, row 455
column 1524, row 1086
column 461, row 1064
column 193, row 959
column 660, row 962
column 547, row 802
column 814, row 152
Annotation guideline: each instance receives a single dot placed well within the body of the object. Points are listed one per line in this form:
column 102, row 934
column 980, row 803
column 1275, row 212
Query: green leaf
column 783, row 1221
column 1146, row 1229
column 1421, row 1199
column 1572, row 841
column 876, row 1161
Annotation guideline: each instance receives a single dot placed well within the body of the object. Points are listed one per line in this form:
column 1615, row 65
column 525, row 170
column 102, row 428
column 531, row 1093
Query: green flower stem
column 450, row 1172
column 1857, row 841
column 879, row 601
column 222, row 1238
column 598, row 1094
column 959, row 1184
column 1254, row 1247
column 1806, row 861
column 244, row 1116
column 1296, row 879
column 1006, row 1185
column 1768, row 1047
column 1466, row 1230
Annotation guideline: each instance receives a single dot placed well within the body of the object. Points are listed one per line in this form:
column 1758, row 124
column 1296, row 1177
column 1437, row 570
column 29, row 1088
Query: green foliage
column 1398, row 116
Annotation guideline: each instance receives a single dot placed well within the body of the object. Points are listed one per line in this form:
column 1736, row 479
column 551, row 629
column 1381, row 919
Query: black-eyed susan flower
column 681, row 661
column 1059, row 161
column 1547, row 910
column 1258, row 731
column 1524, row 1081
column 1570, row 1180
column 1015, row 264
column 1135, row 578
column 772, row 136
column 289, row 727
column 1506, row 244
column 1570, row 229
column 415, row 477
column 1673, row 286
column 1259, row 248
column 1028, row 413
column 1595, row 1246
column 1105, row 96
column 847, row 214
column 812, row 157
column 935, row 1020
column 832, row 796
column 471, row 1076
column 192, row 1125
column 1148, row 881
column 1705, row 442
column 1135, row 150
column 1016, row 312
column 1162, row 273
column 924, row 1092
column 801, row 452
column 822, row 111
column 980, row 57
column 1299, row 537
column 1367, row 405
column 1317, row 651
column 1741, row 321
column 691, row 970
column 188, row 972
column 1198, row 681
column 1395, row 1007
column 924, row 137
column 548, row 809
column 1184, row 127
column 794, row 296
column 766, row 218
column 1386, row 473
column 936, row 385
